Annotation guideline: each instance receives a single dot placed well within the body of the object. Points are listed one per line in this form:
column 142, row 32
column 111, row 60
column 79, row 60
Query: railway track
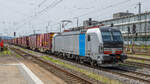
column 69, row 77
column 137, row 64
column 124, row 72
column 138, row 58
column 145, row 65
column 145, row 78
column 117, row 71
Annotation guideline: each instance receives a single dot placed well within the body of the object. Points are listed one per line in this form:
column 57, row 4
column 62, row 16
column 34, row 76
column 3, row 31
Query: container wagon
column 44, row 42
column 25, row 42
column 33, row 42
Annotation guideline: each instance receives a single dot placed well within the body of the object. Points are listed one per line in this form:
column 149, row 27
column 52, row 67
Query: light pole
column 47, row 26
column 34, row 31
column 77, row 21
column 145, row 30
column 60, row 26
column 128, row 37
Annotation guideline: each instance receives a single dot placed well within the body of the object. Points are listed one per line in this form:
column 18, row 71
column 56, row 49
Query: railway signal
column 14, row 34
column 134, row 29
column 129, row 30
column 112, row 25
column 134, row 32
column 90, row 21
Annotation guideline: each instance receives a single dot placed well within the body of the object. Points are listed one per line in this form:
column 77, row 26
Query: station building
column 133, row 26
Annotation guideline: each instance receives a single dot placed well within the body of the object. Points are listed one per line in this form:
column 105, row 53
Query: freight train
column 101, row 46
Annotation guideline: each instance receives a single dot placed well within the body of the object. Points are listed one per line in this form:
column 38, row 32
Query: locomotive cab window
column 89, row 38
column 109, row 36
column 117, row 36
column 106, row 36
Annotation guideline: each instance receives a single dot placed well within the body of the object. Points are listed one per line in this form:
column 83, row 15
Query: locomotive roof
column 101, row 28
column 71, row 32
column 109, row 29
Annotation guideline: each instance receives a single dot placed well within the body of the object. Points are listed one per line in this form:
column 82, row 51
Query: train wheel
column 93, row 63
column 80, row 60
column 64, row 56
column 77, row 59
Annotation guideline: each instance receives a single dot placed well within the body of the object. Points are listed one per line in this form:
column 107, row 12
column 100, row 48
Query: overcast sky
column 24, row 16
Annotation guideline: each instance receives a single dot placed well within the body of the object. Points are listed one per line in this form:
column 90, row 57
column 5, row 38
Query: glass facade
column 142, row 23
column 148, row 26
column 137, row 38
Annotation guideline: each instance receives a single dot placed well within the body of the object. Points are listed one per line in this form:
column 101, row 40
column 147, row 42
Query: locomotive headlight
column 120, row 49
column 107, row 49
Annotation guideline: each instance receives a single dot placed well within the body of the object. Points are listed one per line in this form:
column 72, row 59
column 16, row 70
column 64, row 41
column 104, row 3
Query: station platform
column 21, row 71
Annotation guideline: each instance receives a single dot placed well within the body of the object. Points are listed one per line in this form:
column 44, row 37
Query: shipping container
column 44, row 42
column 25, row 42
column 48, row 41
column 19, row 41
column 33, row 42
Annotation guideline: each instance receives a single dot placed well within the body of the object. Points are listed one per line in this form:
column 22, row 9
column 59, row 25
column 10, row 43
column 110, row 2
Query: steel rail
column 74, row 76
column 119, row 73
column 138, row 58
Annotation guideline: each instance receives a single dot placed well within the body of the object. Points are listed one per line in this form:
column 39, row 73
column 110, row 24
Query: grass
column 18, row 56
column 100, row 78
column 6, row 52
column 31, row 52
column 27, row 50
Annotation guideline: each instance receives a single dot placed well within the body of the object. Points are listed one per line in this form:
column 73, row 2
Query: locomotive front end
column 112, row 46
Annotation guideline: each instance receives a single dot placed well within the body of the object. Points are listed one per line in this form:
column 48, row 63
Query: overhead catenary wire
column 52, row 5
column 121, row 7
column 100, row 10
column 17, row 12
column 58, row 1
column 42, row 3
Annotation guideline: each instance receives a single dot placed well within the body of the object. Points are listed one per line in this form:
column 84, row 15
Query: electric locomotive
column 97, row 45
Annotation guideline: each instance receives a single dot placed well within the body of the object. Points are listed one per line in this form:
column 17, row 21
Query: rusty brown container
column 32, row 41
